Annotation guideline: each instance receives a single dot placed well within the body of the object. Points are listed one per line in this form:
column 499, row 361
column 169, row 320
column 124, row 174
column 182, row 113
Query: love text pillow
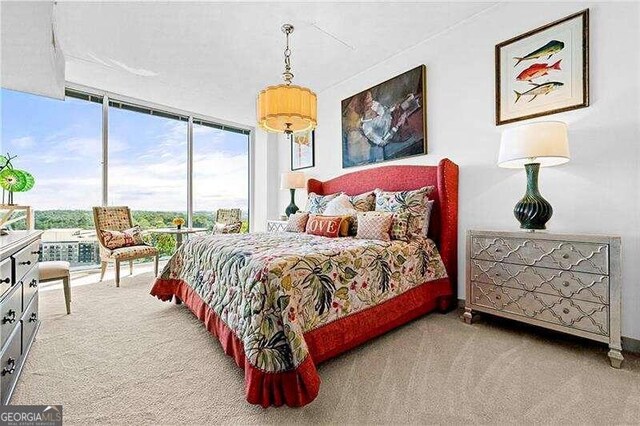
column 324, row 226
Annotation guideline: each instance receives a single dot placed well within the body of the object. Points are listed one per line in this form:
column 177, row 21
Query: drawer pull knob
column 565, row 283
column 497, row 274
column 565, row 256
column 11, row 362
column 5, row 281
column 33, row 317
column 565, row 310
column 498, row 250
column 28, row 262
column 498, row 297
column 10, row 318
column 33, row 283
column 37, row 252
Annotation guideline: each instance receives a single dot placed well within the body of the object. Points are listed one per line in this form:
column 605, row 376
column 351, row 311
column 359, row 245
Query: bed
column 281, row 303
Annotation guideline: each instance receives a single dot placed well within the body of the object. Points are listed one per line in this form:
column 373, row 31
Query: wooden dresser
column 19, row 253
column 568, row 283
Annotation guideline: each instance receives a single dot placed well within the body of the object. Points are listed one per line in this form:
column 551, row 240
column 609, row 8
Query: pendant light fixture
column 287, row 108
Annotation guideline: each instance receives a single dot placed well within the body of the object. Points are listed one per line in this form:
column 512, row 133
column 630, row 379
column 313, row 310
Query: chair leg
column 117, row 273
column 103, row 269
column 67, row 293
column 131, row 267
column 155, row 265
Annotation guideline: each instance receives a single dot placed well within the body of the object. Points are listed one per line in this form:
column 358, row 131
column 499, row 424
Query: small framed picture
column 302, row 150
column 544, row 71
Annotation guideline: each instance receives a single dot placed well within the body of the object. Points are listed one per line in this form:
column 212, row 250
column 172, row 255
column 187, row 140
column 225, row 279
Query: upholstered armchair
column 119, row 219
column 227, row 221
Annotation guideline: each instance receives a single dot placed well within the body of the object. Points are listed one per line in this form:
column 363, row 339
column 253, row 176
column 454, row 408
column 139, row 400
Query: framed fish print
column 302, row 150
column 544, row 71
column 387, row 121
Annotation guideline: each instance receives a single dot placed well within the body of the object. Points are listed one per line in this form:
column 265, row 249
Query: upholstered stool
column 56, row 271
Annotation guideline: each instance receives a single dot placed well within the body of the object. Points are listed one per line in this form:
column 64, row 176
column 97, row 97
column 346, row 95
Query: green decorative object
column 533, row 146
column 292, row 208
column 533, row 211
column 13, row 180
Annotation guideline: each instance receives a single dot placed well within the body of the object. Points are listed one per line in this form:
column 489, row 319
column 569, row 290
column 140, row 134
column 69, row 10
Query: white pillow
column 340, row 206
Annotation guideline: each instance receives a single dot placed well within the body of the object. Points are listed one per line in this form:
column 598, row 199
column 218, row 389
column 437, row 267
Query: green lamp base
column 533, row 211
column 292, row 208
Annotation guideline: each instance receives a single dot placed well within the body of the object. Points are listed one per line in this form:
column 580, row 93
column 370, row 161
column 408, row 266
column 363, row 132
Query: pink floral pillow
column 118, row 239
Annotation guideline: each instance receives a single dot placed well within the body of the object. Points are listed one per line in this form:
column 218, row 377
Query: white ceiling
column 213, row 58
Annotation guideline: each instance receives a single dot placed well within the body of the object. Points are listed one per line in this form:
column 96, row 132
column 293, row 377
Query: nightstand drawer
column 5, row 276
column 556, row 282
column 566, row 255
column 571, row 313
column 26, row 259
column 10, row 360
column 10, row 312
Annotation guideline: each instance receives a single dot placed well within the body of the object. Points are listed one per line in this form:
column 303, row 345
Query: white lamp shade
column 544, row 142
column 289, row 180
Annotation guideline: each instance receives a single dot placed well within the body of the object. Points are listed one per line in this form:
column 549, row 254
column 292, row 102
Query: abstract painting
column 544, row 71
column 387, row 121
column 302, row 150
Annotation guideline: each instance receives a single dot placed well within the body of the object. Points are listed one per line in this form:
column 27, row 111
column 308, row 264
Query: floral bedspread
column 270, row 288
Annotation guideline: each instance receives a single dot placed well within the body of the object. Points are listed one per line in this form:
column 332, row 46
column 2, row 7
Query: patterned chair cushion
column 317, row 203
column 228, row 216
column 297, row 222
column 374, row 225
column 126, row 238
column 115, row 218
column 133, row 252
column 415, row 202
column 223, row 228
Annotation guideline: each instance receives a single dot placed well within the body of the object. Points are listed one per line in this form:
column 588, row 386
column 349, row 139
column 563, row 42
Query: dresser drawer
column 5, row 276
column 567, row 255
column 9, row 364
column 570, row 313
column 10, row 312
column 29, row 286
column 30, row 323
column 26, row 259
column 556, row 282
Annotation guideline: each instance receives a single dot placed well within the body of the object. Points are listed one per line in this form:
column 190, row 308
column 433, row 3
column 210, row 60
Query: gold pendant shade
column 287, row 108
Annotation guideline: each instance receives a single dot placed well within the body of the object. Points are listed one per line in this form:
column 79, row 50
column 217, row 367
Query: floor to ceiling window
column 61, row 144
column 220, row 172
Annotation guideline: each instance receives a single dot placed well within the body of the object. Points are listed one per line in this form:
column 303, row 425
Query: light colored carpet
column 124, row 357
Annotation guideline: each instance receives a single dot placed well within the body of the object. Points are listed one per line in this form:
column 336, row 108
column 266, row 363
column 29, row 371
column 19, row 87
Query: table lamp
column 291, row 181
column 533, row 146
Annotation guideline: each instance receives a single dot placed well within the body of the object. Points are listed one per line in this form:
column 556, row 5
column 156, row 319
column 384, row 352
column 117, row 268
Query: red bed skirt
column 300, row 386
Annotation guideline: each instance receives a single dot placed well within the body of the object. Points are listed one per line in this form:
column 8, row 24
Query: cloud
column 23, row 142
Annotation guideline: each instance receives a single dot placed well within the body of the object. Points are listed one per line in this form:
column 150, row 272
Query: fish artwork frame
column 543, row 71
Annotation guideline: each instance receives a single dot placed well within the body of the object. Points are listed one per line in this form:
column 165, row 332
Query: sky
column 59, row 143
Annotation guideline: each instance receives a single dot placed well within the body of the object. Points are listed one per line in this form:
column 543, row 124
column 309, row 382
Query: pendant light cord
column 287, row 75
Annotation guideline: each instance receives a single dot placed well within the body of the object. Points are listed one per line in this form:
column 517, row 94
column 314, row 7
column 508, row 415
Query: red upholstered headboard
column 443, row 227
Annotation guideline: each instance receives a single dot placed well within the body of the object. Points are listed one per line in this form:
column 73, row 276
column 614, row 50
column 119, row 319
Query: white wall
column 597, row 192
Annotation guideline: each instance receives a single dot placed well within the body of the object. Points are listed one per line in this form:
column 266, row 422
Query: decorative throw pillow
column 427, row 217
column 118, row 239
column 227, row 228
column 297, row 222
column 342, row 206
column 324, row 226
column 364, row 202
column 400, row 225
column 374, row 225
column 317, row 203
column 415, row 202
